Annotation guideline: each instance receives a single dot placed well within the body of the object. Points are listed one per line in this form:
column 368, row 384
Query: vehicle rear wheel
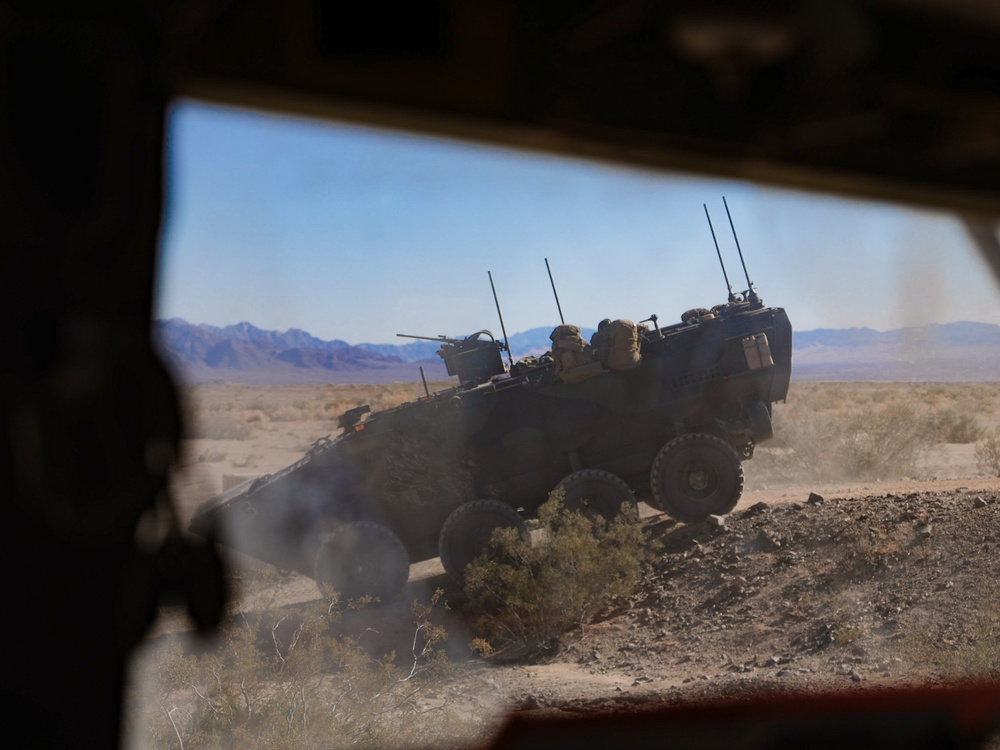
column 597, row 493
column 695, row 476
column 361, row 558
column 466, row 533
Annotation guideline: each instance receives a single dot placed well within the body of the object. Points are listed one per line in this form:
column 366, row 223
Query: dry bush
column 846, row 633
column 849, row 443
column 222, row 411
column 868, row 431
column 950, row 426
column 867, row 550
column 211, row 456
column 217, row 425
column 988, row 454
column 528, row 593
column 974, row 653
column 884, row 443
column 282, row 679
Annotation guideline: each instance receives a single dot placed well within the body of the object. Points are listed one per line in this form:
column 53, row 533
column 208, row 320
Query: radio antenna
column 506, row 344
column 732, row 297
column 752, row 293
column 554, row 292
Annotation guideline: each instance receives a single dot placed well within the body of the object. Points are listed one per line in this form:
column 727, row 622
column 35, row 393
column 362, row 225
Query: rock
column 924, row 531
column 979, row 503
column 757, row 508
column 815, row 499
column 717, row 522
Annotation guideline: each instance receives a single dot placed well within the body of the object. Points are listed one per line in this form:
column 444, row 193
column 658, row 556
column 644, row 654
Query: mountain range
column 243, row 353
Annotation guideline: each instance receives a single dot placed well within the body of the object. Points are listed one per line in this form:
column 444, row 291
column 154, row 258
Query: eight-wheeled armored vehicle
column 665, row 415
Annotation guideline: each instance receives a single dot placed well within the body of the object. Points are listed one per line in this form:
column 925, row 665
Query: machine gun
column 472, row 359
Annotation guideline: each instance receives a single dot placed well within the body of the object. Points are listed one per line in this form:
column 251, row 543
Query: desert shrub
column 281, row 678
column 211, row 456
column 974, row 653
column 883, row 443
column 988, row 453
column 528, row 592
column 866, row 550
column 846, row 633
column 849, row 443
column 217, row 425
column 950, row 426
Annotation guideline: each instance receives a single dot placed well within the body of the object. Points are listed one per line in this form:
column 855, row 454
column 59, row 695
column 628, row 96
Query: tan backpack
column 574, row 360
column 623, row 352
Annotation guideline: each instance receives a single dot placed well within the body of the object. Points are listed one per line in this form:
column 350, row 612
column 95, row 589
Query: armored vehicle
column 660, row 414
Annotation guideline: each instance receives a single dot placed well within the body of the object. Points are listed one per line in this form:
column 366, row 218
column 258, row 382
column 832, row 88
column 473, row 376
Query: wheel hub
column 698, row 480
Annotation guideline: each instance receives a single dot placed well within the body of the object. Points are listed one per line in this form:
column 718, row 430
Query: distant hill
column 244, row 353
column 949, row 352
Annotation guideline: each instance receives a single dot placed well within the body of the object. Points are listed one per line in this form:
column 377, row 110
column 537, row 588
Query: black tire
column 695, row 476
column 594, row 492
column 361, row 558
column 466, row 533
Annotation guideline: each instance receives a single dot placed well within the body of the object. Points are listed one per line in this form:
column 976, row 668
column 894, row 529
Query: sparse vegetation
column 219, row 411
column 988, row 454
column 870, row 431
column 282, row 678
column 951, row 426
column 860, row 443
column 845, row 633
column 531, row 591
column 868, row 550
column 973, row 655
column 211, row 456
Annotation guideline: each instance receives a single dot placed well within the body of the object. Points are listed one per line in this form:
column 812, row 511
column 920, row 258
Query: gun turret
column 472, row 359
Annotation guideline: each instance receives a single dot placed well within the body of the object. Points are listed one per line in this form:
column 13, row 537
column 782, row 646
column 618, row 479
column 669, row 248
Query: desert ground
column 861, row 556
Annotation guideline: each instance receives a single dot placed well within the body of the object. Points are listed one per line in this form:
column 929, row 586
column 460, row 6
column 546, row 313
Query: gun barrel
column 443, row 339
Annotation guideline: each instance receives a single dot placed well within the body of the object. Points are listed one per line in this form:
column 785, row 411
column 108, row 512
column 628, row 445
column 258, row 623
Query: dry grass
column 283, row 677
column 972, row 654
column 872, row 431
column 225, row 411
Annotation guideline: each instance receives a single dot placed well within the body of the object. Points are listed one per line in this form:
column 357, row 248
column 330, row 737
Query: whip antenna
column 503, row 329
column 752, row 295
column 554, row 292
column 732, row 297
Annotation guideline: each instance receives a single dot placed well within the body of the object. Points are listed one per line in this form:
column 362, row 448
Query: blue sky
column 359, row 234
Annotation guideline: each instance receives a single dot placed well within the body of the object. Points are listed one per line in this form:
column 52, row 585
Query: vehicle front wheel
column 695, row 476
column 466, row 533
column 361, row 558
column 597, row 493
